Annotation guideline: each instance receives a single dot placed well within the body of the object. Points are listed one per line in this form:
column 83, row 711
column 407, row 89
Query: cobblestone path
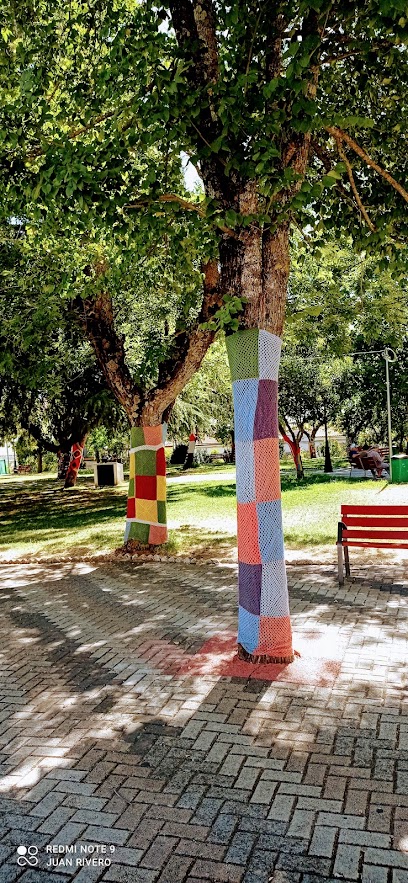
column 129, row 732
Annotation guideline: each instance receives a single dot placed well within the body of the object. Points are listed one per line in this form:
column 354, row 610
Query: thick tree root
column 262, row 659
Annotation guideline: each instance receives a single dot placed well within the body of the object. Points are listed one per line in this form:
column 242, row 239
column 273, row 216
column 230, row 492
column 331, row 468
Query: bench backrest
column 384, row 527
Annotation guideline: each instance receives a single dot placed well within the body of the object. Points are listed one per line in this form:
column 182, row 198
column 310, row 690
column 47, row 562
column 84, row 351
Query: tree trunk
column 146, row 521
column 63, row 464
column 39, row 459
column 328, row 467
column 77, row 451
column 264, row 629
column 312, row 443
column 296, row 454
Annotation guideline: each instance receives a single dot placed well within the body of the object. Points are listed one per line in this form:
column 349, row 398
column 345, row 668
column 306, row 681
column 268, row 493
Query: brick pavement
column 126, row 725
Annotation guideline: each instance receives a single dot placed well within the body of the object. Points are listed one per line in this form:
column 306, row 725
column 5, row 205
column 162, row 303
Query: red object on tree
column 77, row 451
column 295, row 451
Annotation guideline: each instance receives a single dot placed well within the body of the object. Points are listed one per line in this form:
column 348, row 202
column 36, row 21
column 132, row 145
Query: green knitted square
column 242, row 349
column 136, row 437
column 131, row 491
column 139, row 531
column 145, row 463
column 161, row 512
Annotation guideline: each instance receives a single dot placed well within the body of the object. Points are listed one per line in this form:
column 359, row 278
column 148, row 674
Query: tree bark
column 63, row 464
column 77, row 451
column 39, row 459
column 312, row 442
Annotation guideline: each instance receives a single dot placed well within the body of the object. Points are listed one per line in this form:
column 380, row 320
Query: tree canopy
column 305, row 99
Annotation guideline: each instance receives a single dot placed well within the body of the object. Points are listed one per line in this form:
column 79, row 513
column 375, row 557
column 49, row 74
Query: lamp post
column 389, row 356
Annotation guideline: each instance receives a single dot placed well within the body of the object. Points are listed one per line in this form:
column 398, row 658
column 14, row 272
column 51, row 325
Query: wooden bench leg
column 340, row 563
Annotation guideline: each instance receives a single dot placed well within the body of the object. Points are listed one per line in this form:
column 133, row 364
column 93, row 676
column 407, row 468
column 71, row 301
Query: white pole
column 387, row 379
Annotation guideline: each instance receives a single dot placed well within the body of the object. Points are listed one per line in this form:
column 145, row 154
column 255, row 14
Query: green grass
column 38, row 519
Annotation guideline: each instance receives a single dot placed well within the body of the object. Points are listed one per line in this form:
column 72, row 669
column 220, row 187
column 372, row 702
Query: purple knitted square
column 250, row 582
column 266, row 413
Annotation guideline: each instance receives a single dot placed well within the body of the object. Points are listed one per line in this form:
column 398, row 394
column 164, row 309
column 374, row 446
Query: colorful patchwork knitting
column 146, row 509
column 264, row 628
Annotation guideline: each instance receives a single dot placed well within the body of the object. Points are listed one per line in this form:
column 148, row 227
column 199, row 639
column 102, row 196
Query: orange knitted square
column 153, row 434
column 267, row 474
column 275, row 636
column 248, row 544
column 157, row 535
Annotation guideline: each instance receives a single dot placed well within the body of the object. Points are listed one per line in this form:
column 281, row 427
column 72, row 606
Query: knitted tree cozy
column 264, row 629
column 146, row 509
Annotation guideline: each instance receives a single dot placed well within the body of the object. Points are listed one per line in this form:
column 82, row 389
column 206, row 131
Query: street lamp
column 389, row 356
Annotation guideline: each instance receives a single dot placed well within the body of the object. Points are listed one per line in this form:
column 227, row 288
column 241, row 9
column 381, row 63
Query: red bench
column 370, row 527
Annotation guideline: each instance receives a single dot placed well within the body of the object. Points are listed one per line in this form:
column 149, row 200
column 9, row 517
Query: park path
column 126, row 723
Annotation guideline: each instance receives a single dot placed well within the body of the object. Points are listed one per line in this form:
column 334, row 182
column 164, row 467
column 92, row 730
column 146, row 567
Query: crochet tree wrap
column 146, row 520
column 264, row 628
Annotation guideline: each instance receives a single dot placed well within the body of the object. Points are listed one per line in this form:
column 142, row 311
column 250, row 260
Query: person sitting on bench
column 377, row 460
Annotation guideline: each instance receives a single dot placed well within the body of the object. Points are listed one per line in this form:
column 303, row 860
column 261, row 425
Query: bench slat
column 374, row 521
column 366, row 545
column 374, row 510
column 376, row 534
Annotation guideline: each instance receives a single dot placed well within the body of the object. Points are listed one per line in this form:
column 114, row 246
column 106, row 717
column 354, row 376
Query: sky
column 191, row 177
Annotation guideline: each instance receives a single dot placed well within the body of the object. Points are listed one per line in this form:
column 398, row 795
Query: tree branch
column 188, row 352
column 96, row 317
column 353, row 186
column 327, row 161
column 75, row 133
column 338, row 134
column 184, row 203
column 36, row 434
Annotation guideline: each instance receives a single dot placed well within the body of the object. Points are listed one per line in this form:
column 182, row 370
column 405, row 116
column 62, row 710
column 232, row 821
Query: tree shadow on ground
column 220, row 765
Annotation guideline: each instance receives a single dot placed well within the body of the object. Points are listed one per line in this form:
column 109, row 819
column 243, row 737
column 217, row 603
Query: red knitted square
column 145, row 487
column 160, row 462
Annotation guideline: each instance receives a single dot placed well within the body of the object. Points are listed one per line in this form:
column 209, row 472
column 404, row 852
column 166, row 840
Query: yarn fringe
column 264, row 658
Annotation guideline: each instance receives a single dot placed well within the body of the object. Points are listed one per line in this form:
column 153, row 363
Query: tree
column 205, row 404
column 292, row 114
column 50, row 385
column 363, row 412
column 339, row 296
column 308, row 397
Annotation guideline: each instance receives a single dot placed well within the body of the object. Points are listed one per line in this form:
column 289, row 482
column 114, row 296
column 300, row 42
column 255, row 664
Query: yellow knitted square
column 161, row 487
column 146, row 510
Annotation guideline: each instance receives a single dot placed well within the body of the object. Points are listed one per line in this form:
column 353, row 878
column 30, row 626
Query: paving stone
column 347, row 862
column 159, row 852
column 323, row 841
column 216, row 871
column 372, row 874
column 240, row 848
column 122, row 874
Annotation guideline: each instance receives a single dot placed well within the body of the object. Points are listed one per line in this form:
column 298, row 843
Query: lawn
column 38, row 519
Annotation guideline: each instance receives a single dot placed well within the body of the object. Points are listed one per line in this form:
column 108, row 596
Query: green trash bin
column 399, row 466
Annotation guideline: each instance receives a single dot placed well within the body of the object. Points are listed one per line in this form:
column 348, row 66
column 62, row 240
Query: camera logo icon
column 27, row 856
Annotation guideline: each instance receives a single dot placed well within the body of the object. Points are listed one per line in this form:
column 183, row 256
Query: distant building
column 333, row 434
